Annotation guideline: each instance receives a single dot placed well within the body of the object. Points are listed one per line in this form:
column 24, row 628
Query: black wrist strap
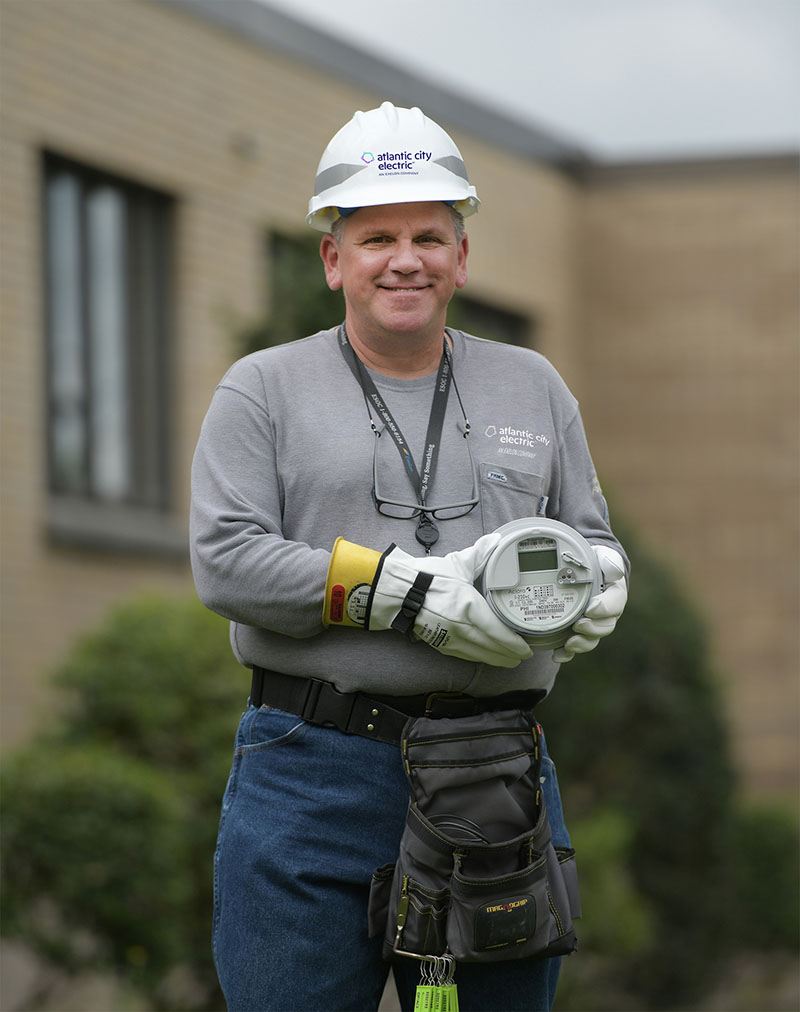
column 404, row 620
column 372, row 589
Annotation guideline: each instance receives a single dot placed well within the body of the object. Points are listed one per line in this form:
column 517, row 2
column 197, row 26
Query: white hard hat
column 388, row 156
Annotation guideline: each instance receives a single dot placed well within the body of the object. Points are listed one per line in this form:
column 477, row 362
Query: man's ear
column 461, row 267
column 329, row 251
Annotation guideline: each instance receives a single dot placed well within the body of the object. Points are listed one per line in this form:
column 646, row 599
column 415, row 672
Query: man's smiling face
column 398, row 265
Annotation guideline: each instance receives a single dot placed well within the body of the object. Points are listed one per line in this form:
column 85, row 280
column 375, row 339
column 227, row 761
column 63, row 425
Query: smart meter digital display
column 537, row 562
column 540, row 579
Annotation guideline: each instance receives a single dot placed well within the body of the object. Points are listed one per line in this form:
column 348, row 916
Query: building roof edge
column 265, row 26
column 270, row 28
column 690, row 167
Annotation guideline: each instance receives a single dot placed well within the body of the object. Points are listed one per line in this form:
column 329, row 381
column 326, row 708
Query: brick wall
column 690, row 320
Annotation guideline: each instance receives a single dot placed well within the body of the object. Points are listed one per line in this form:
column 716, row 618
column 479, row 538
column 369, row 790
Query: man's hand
column 430, row 599
column 452, row 616
column 603, row 610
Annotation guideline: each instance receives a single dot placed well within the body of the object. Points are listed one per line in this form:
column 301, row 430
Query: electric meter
column 540, row 579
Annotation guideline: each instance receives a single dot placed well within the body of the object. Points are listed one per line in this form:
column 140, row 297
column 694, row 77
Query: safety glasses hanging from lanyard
column 427, row 533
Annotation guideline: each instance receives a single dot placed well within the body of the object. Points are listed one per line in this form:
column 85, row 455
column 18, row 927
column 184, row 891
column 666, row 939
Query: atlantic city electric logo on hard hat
column 367, row 157
column 402, row 161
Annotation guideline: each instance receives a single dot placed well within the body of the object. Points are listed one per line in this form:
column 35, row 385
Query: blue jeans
column 307, row 816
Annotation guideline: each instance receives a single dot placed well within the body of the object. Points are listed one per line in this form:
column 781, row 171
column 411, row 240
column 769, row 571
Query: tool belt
column 477, row 876
column 374, row 716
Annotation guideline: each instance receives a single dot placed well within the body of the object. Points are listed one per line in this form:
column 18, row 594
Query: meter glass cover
column 521, row 579
column 537, row 562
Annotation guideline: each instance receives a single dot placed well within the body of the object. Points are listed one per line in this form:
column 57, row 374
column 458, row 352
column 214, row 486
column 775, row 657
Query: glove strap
column 404, row 620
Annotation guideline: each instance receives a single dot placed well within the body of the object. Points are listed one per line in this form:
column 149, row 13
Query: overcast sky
column 621, row 78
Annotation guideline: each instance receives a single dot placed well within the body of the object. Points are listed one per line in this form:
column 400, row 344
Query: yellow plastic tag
column 350, row 575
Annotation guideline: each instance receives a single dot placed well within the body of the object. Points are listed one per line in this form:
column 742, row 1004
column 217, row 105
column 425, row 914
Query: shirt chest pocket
column 508, row 494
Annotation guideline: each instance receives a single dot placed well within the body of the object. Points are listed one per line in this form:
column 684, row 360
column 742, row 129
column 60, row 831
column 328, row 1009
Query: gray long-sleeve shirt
column 283, row 467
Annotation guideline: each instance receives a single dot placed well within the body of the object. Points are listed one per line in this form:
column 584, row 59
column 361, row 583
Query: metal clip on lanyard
column 427, row 533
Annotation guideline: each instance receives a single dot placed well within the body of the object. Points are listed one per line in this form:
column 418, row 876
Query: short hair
column 337, row 228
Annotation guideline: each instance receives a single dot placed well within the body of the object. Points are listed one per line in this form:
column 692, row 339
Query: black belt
column 380, row 717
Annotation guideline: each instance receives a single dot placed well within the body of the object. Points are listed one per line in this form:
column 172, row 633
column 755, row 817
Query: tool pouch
column 477, row 874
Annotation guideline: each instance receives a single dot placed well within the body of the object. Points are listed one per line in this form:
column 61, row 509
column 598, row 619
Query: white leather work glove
column 603, row 610
column 432, row 599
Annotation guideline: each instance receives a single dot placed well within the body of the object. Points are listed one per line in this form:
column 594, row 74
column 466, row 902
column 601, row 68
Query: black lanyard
column 427, row 533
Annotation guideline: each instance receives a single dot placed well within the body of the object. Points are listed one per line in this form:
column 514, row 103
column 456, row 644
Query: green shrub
column 765, row 897
column 617, row 924
column 96, row 870
column 110, row 815
column 637, row 726
column 617, row 921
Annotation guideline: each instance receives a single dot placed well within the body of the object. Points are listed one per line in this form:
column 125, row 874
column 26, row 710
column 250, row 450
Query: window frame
column 139, row 519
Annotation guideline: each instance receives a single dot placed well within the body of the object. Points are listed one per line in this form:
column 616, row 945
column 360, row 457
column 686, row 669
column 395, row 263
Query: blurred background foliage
column 646, row 769
column 110, row 814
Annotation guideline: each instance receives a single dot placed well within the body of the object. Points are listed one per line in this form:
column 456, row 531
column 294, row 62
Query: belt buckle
column 308, row 707
column 435, row 698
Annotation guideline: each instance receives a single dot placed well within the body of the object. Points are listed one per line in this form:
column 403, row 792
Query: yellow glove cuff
column 350, row 576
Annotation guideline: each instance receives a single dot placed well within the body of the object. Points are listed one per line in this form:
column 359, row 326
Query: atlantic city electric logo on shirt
column 516, row 437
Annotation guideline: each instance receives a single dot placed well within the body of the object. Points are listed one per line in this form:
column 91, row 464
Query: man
column 332, row 477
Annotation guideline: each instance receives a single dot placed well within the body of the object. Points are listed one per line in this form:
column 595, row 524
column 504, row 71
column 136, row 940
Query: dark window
column 107, row 267
column 301, row 302
column 484, row 319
